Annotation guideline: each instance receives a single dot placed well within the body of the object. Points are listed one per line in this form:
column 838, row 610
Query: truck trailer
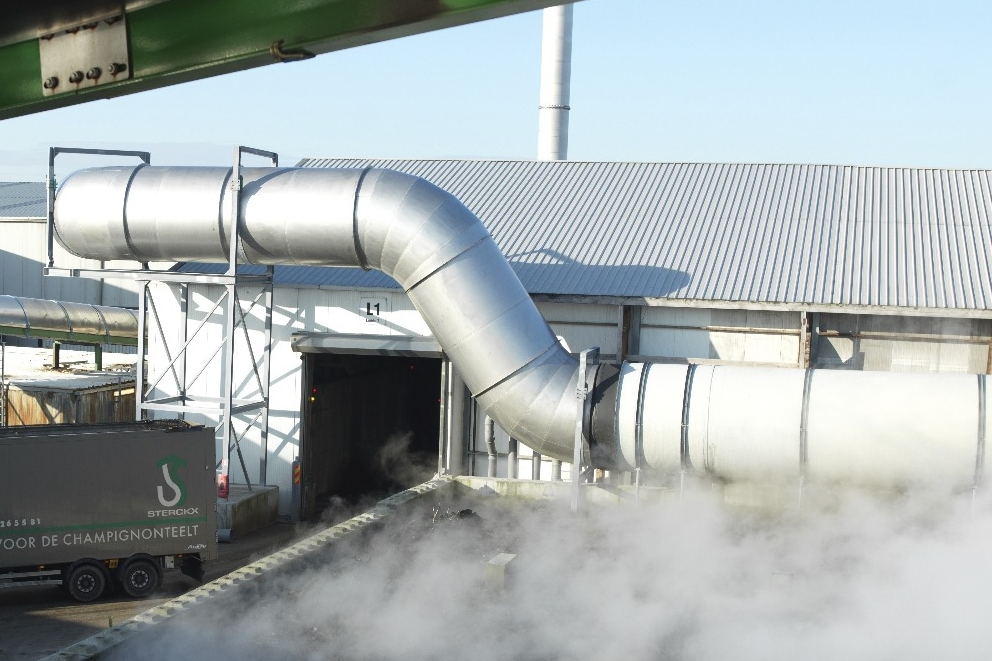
column 93, row 506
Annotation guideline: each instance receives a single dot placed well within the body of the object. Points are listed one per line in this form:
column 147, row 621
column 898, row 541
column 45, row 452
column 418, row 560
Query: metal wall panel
column 24, row 254
column 904, row 343
column 583, row 326
column 732, row 336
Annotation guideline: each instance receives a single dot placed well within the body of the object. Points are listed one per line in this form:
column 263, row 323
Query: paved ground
column 38, row 620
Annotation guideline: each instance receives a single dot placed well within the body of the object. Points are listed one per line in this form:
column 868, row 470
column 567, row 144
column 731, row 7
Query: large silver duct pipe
column 434, row 247
column 556, row 76
column 39, row 318
column 830, row 426
column 730, row 422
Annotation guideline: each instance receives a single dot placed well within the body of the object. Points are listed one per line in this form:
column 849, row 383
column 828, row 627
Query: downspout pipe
column 423, row 237
column 491, row 447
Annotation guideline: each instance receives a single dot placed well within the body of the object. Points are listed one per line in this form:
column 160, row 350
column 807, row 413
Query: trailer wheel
column 86, row 580
column 140, row 578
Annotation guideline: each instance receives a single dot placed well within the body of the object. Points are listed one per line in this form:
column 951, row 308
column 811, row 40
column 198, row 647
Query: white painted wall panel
column 904, row 344
column 583, row 326
column 699, row 333
column 294, row 309
column 24, row 253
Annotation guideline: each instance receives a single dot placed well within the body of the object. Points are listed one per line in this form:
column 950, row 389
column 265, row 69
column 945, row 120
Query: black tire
column 140, row 578
column 86, row 580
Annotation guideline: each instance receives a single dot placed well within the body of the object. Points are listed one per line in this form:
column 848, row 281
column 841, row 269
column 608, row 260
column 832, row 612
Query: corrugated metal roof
column 812, row 235
column 72, row 382
column 791, row 234
column 22, row 200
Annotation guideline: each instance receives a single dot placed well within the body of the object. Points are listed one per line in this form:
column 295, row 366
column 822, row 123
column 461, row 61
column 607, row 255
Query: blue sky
column 845, row 82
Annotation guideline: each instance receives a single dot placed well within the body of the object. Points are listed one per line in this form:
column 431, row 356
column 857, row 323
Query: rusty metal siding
column 47, row 406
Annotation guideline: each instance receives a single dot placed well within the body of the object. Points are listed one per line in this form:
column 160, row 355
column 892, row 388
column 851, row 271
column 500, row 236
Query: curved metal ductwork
column 731, row 422
column 424, row 238
column 39, row 318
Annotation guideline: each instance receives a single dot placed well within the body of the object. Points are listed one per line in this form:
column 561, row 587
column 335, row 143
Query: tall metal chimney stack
column 556, row 73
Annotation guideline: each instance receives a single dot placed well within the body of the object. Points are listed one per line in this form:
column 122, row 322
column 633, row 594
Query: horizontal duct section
column 831, row 426
column 39, row 318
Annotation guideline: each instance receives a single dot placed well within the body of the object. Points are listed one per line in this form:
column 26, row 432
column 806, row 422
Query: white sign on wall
column 373, row 309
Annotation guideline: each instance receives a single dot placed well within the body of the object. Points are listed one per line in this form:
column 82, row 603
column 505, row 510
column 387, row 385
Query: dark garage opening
column 373, row 425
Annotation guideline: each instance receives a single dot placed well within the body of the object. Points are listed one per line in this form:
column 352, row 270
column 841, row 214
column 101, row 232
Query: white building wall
column 294, row 310
column 904, row 343
column 583, row 326
column 24, row 255
column 737, row 336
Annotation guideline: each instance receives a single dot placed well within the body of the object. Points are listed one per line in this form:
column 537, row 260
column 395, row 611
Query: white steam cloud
column 867, row 578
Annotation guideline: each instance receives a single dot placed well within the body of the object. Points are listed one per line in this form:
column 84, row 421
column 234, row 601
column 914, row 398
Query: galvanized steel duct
column 731, row 422
column 423, row 237
column 39, row 318
column 831, row 426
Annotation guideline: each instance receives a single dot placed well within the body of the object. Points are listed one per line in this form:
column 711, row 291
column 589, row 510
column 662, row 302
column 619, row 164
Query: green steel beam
column 180, row 40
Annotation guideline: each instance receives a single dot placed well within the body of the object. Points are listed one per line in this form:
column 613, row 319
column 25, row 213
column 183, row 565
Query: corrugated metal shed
column 22, row 200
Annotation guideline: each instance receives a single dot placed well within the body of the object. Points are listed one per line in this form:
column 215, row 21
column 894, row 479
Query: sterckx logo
column 169, row 465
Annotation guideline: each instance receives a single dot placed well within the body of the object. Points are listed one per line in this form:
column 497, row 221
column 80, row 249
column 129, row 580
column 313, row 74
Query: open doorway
column 372, row 425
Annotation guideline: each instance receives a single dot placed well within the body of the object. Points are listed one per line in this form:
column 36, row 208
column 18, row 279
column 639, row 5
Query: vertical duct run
column 556, row 74
column 734, row 423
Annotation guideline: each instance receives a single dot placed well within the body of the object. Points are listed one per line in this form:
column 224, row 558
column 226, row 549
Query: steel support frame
column 225, row 406
column 583, row 388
